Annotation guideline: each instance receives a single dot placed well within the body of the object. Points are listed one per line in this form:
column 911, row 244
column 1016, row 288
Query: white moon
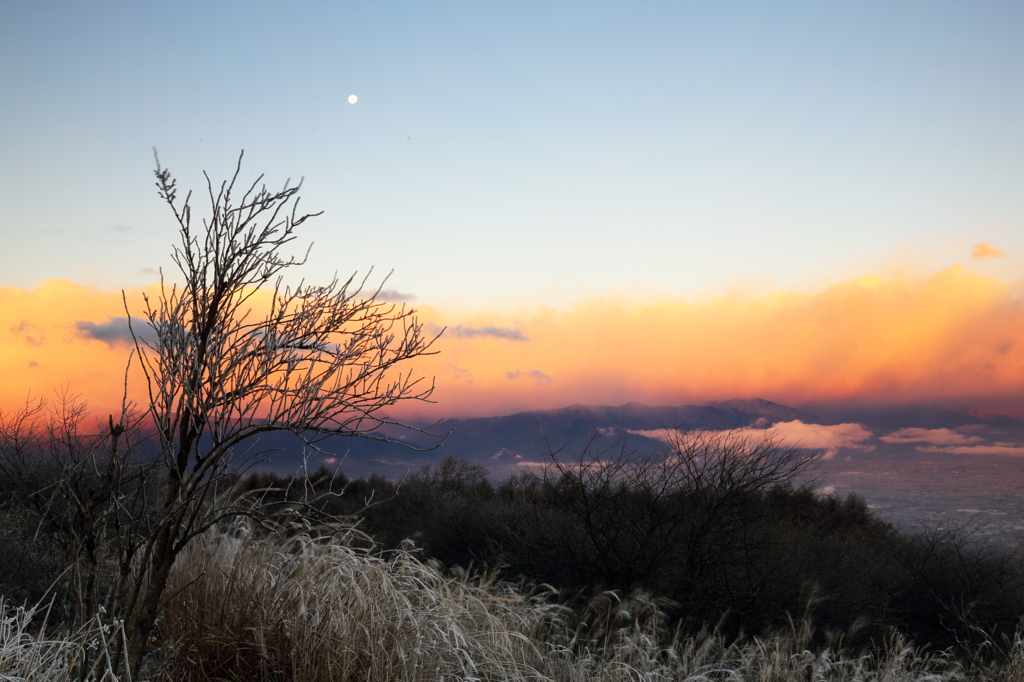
column 352, row 99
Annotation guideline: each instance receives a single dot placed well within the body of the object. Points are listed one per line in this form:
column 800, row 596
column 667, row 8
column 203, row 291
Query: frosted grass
column 262, row 608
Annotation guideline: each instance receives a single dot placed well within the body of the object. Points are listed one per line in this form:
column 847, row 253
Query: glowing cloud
column 819, row 437
column 951, row 442
column 985, row 250
column 61, row 334
column 930, row 436
column 955, row 336
column 795, row 434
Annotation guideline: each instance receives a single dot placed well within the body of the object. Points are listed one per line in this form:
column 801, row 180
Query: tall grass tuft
column 315, row 610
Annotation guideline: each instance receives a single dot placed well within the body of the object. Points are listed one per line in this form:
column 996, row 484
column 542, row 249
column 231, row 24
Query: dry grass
column 305, row 610
column 322, row 610
column 29, row 654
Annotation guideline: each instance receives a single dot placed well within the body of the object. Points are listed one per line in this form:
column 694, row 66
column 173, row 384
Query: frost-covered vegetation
column 424, row 583
column 716, row 527
column 251, row 605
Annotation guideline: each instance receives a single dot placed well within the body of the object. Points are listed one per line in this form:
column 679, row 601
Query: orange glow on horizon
column 42, row 350
column 955, row 336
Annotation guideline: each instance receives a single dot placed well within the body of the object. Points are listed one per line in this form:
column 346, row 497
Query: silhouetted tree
column 223, row 365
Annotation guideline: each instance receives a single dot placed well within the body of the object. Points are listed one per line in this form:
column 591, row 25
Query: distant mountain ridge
column 502, row 443
column 774, row 411
column 527, row 436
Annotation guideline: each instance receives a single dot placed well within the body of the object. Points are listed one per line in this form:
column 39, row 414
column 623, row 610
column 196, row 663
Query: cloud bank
column 955, row 336
column 819, row 437
column 828, row 439
column 940, row 437
column 50, row 338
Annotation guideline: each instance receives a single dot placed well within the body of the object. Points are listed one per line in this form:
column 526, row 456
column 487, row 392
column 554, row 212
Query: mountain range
column 501, row 443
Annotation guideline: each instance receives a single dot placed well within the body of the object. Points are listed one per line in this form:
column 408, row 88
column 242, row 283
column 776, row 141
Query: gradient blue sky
column 523, row 152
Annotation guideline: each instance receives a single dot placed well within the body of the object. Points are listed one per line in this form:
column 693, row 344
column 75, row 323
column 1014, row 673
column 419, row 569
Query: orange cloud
column 954, row 337
column 59, row 335
column 821, row 437
column 985, row 250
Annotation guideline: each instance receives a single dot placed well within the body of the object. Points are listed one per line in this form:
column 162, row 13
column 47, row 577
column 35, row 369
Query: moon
column 352, row 99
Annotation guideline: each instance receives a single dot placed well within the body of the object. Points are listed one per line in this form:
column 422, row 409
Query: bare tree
column 232, row 352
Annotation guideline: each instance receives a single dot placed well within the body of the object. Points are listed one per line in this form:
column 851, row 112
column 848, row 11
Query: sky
column 602, row 202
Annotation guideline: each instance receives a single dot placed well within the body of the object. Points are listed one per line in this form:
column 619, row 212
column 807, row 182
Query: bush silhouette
column 746, row 553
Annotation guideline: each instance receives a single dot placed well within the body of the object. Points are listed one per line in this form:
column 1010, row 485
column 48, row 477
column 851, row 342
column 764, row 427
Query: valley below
column 983, row 494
